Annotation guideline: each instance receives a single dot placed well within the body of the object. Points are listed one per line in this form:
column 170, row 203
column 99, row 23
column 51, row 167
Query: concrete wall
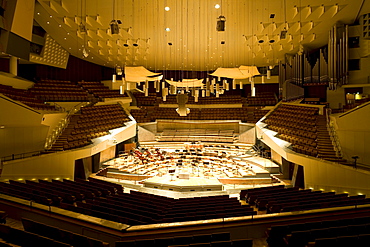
column 318, row 174
column 61, row 164
column 353, row 131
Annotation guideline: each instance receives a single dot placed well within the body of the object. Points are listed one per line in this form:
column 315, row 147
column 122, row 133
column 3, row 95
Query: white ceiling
column 196, row 45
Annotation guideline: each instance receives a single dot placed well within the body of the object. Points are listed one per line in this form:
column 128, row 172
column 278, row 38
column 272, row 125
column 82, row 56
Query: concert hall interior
column 205, row 123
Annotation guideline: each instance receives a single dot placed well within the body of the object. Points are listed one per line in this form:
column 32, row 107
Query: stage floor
column 173, row 183
column 241, row 167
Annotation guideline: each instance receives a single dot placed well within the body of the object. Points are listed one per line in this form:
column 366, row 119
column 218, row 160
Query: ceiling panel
column 251, row 36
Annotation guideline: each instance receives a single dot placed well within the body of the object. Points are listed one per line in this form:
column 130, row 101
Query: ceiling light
column 168, row 29
column 114, row 27
column 47, row 22
column 167, row 8
column 221, row 23
column 82, row 28
column 217, row 6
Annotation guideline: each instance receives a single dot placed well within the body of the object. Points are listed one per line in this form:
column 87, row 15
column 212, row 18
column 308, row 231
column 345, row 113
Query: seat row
column 60, row 235
column 178, row 240
column 17, row 237
column 301, row 233
column 278, row 199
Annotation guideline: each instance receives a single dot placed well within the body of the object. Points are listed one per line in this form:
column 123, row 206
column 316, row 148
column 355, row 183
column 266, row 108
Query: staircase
column 325, row 147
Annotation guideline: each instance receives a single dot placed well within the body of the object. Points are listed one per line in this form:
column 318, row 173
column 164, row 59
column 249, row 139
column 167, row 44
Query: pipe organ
column 328, row 64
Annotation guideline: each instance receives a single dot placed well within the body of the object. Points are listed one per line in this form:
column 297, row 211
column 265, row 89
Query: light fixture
column 85, row 53
column 221, row 23
column 82, row 28
column 168, row 29
column 114, row 27
column 167, row 8
column 217, row 6
column 118, row 70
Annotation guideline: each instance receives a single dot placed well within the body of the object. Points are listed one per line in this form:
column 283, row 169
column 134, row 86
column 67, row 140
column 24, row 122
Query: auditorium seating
column 99, row 90
column 262, row 99
column 305, row 129
column 221, row 239
column 91, row 122
column 193, row 135
column 337, row 232
column 222, row 99
column 102, row 199
column 58, row 90
column 245, row 114
column 60, row 235
column 16, row 237
column 149, row 109
column 26, row 98
column 276, row 199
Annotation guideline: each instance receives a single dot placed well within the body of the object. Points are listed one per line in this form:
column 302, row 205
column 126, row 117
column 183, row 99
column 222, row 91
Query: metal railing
column 333, row 134
column 20, row 156
column 62, row 125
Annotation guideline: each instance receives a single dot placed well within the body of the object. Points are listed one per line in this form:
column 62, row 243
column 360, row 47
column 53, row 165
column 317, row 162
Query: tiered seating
column 55, row 90
column 262, row 99
column 221, row 100
column 60, row 235
column 340, row 232
column 90, row 123
column 150, row 114
column 99, row 90
column 191, row 135
column 205, row 240
column 141, row 115
column 143, row 100
column 170, row 113
column 223, row 114
column 57, row 192
column 105, row 200
column 277, row 199
column 305, row 129
column 15, row 237
column 25, row 97
column 139, row 208
column 151, row 110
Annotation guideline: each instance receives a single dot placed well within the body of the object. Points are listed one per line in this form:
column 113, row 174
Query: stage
column 170, row 182
column 186, row 168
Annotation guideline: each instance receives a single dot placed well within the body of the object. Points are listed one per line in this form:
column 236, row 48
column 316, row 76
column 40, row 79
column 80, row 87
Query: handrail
column 50, row 140
column 354, row 109
column 20, row 156
column 18, row 103
column 333, row 134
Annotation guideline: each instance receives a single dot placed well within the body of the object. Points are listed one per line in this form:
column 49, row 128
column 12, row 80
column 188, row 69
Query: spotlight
column 135, row 45
column 283, row 34
column 221, row 23
column 169, row 43
column 82, row 28
column 222, row 42
column 114, row 27
column 125, row 45
column 118, row 70
column 85, row 53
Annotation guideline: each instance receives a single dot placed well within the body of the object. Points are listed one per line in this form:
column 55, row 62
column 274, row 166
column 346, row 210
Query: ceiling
column 251, row 36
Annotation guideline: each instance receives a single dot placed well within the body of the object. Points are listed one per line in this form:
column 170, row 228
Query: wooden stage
column 188, row 168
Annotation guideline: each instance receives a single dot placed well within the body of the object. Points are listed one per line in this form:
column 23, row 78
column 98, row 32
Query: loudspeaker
column 283, row 34
column 220, row 26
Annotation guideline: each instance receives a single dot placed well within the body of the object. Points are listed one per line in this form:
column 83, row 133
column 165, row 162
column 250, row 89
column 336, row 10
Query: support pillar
column 13, row 65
